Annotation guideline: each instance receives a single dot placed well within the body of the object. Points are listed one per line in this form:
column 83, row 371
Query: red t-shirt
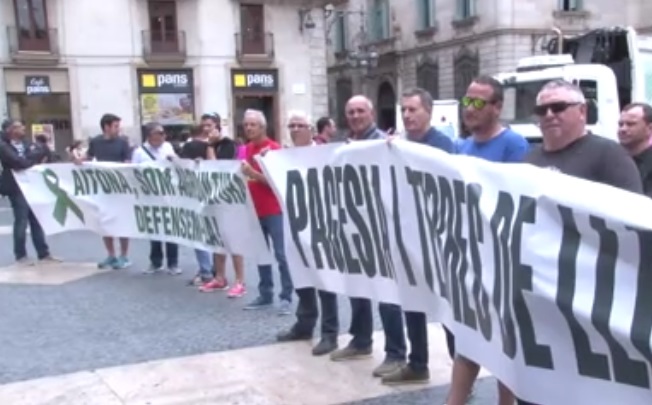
column 264, row 199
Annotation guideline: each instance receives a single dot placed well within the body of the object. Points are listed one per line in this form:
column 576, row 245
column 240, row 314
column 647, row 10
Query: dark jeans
column 391, row 317
column 417, row 329
column 308, row 312
column 272, row 227
column 24, row 216
column 156, row 254
column 450, row 342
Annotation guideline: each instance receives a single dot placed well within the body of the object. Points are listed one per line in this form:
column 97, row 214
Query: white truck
column 612, row 66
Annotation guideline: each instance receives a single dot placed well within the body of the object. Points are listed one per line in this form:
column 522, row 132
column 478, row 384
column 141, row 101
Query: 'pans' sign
column 167, row 81
column 261, row 80
column 37, row 85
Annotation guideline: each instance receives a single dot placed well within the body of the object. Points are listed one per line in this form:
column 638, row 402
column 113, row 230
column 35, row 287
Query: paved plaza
column 71, row 334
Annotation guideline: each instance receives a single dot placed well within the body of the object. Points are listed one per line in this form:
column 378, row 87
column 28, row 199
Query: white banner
column 543, row 278
column 203, row 205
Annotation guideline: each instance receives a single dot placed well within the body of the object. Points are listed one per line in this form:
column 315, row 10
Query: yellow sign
column 148, row 80
column 239, row 80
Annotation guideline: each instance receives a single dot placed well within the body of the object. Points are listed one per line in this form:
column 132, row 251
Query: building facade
column 67, row 62
column 442, row 44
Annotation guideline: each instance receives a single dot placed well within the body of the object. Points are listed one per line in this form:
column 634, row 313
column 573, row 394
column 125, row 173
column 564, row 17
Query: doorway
column 53, row 109
column 266, row 104
column 163, row 25
column 386, row 107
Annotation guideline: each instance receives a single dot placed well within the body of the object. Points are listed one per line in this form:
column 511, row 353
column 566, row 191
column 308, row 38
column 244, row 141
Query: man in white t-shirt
column 156, row 148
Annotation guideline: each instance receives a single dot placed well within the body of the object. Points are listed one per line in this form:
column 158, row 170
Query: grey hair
column 578, row 96
column 297, row 114
column 424, row 97
column 258, row 115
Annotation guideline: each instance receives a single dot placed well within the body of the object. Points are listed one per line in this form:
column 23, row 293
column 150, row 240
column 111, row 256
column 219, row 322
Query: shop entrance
column 264, row 103
column 46, row 113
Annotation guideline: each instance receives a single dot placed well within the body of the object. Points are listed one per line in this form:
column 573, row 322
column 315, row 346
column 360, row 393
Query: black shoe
column 324, row 346
column 292, row 336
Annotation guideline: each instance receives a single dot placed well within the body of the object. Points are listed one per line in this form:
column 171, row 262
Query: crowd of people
column 566, row 147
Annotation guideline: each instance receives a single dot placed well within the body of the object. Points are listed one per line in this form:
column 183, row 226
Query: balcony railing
column 39, row 46
column 254, row 47
column 164, row 46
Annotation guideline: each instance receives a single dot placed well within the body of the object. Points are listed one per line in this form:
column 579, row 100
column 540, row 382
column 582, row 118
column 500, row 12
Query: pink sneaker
column 215, row 285
column 237, row 291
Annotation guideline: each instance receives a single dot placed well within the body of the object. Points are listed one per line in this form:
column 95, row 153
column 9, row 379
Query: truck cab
column 613, row 67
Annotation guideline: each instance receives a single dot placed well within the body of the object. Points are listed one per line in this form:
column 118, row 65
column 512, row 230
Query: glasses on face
column 555, row 108
column 476, row 103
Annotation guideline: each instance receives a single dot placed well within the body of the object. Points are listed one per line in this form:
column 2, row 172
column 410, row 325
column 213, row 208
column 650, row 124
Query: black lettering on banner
column 353, row 199
column 331, row 201
column 534, row 354
column 428, row 244
column 501, row 224
column 476, row 237
column 459, row 257
column 318, row 225
column 295, row 200
column 347, row 254
column 381, row 230
column 626, row 370
column 445, row 225
column 589, row 363
column 641, row 331
column 398, row 234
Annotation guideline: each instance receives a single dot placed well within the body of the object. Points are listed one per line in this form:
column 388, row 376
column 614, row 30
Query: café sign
column 37, row 85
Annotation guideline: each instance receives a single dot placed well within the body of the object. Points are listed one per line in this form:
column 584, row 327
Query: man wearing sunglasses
column 561, row 108
column 488, row 140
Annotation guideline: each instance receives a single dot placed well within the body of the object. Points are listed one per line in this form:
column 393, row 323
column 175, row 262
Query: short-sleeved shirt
column 194, row 149
column 506, row 147
column 109, row 149
column 592, row 158
column 264, row 199
column 148, row 153
column 435, row 139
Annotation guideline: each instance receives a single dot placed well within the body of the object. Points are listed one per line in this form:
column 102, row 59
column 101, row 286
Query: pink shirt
column 242, row 152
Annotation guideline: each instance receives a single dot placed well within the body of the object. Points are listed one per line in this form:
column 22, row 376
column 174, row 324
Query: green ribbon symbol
column 64, row 203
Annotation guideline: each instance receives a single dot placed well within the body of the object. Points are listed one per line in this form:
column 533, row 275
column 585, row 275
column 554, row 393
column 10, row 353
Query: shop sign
column 167, row 81
column 37, row 85
column 266, row 80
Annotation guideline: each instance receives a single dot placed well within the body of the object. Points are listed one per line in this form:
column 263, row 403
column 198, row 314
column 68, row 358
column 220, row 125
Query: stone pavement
column 70, row 334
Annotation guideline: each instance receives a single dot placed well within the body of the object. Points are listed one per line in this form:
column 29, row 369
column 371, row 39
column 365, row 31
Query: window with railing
column 379, row 20
column 425, row 14
column 163, row 34
column 570, row 5
column 32, row 25
column 465, row 9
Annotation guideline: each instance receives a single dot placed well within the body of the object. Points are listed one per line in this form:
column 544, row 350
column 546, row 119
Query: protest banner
column 204, row 205
column 543, row 278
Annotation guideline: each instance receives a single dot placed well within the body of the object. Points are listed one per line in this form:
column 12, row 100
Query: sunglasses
column 476, row 103
column 555, row 108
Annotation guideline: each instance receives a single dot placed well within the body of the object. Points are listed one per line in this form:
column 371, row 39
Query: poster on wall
column 45, row 132
column 166, row 97
column 167, row 109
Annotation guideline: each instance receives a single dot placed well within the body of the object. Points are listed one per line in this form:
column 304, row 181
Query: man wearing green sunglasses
column 489, row 140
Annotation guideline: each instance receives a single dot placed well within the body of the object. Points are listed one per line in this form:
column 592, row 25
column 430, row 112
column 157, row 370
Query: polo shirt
column 264, row 199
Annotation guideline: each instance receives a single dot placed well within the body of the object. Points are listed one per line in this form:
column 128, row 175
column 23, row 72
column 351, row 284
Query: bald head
column 359, row 115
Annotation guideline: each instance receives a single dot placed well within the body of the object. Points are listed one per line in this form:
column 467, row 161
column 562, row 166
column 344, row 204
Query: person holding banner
column 17, row 153
column 635, row 133
column 222, row 147
column 269, row 213
column 416, row 111
column 307, row 309
column 156, row 148
column 489, row 140
column 110, row 146
column 361, row 120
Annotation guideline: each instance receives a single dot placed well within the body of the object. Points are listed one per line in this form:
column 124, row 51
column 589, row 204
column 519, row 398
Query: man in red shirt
column 269, row 213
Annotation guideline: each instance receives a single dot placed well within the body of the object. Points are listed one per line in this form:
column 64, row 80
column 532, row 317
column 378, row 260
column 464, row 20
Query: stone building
column 64, row 63
column 442, row 44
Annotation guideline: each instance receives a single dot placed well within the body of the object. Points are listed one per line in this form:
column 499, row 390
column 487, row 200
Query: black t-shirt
column 225, row 148
column 593, row 158
column 109, row 149
column 644, row 162
column 194, row 149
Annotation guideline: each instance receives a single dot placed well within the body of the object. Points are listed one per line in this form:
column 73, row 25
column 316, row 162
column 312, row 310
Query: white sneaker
column 152, row 270
column 175, row 271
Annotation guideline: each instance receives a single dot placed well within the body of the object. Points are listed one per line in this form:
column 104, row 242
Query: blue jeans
column 205, row 262
column 391, row 317
column 24, row 216
column 272, row 227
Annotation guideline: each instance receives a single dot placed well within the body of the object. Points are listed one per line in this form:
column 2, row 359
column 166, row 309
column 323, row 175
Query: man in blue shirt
column 416, row 109
column 489, row 140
